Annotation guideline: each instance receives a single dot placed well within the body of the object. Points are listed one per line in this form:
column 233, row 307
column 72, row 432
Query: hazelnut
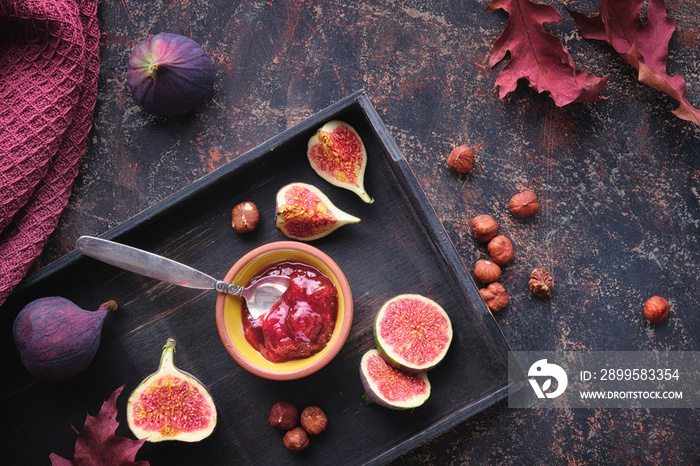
column 486, row 271
column 313, row 420
column 541, row 283
column 495, row 296
column 484, row 227
column 656, row 309
column 296, row 440
column 501, row 250
column 284, row 416
column 461, row 159
column 245, row 217
column 524, row 205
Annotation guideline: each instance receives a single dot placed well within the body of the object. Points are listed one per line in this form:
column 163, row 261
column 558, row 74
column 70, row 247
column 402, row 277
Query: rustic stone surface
column 618, row 180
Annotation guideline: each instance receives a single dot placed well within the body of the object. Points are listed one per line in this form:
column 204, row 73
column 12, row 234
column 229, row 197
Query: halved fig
column 171, row 404
column 336, row 152
column 413, row 333
column 305, row 213
column 390, row 387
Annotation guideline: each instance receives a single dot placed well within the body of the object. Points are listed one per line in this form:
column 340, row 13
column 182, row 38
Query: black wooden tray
column 399, row 247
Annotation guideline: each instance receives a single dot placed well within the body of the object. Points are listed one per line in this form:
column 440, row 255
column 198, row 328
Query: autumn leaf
column 538, row 56
column 98, row 445
column 642, row 45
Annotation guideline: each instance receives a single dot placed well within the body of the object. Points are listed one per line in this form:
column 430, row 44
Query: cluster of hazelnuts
column 485, row 230
column 285, row 416
column 487, row 272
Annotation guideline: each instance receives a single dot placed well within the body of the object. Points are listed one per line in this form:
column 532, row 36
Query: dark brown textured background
column 618, row 180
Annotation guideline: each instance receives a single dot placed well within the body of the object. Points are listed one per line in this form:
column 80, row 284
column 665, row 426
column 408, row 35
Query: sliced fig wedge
column 336, row 152
column 171, row 404
column 390, row 387
column 305, row 213
column 413, row 333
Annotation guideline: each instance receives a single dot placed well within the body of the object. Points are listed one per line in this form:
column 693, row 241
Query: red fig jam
column 301, row 323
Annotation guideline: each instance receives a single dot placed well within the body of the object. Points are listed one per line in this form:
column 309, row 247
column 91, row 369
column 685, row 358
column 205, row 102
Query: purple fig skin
column 56, row 339
column 169, row 74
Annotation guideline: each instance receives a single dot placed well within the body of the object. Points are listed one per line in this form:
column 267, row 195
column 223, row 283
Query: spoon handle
column 147, row 264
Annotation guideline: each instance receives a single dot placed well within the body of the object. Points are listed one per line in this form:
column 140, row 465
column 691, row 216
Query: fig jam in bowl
column 303, row 331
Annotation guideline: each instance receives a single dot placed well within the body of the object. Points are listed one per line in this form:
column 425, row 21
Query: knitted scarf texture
column 49, row 64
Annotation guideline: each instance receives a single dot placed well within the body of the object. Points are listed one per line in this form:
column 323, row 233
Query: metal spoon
column 259, row 296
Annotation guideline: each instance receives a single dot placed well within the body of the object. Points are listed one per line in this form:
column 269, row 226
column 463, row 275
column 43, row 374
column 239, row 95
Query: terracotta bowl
column 229, row 310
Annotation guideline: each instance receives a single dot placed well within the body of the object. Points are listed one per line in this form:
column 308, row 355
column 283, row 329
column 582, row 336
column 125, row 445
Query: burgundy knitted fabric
column 49, row 63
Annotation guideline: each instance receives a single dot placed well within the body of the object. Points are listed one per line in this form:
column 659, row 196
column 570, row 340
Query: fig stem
column 110, row 305
column 168, row 356
column 151, row 73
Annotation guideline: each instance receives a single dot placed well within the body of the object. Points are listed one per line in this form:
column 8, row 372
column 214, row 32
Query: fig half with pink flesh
column 305, row 213
column 390, row 387
column 412, row 332
column 336, row 152
column 171, row 404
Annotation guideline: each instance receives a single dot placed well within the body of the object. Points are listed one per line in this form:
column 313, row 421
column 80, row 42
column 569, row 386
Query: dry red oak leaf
column 98, row 446
column 642, row 45
column 539, row 56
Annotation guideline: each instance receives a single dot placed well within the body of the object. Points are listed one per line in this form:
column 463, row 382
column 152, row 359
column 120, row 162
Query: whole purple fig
column 57, row 339
column 169, row 74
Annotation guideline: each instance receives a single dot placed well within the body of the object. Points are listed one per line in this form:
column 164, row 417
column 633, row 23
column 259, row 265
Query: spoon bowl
column 261, row 295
